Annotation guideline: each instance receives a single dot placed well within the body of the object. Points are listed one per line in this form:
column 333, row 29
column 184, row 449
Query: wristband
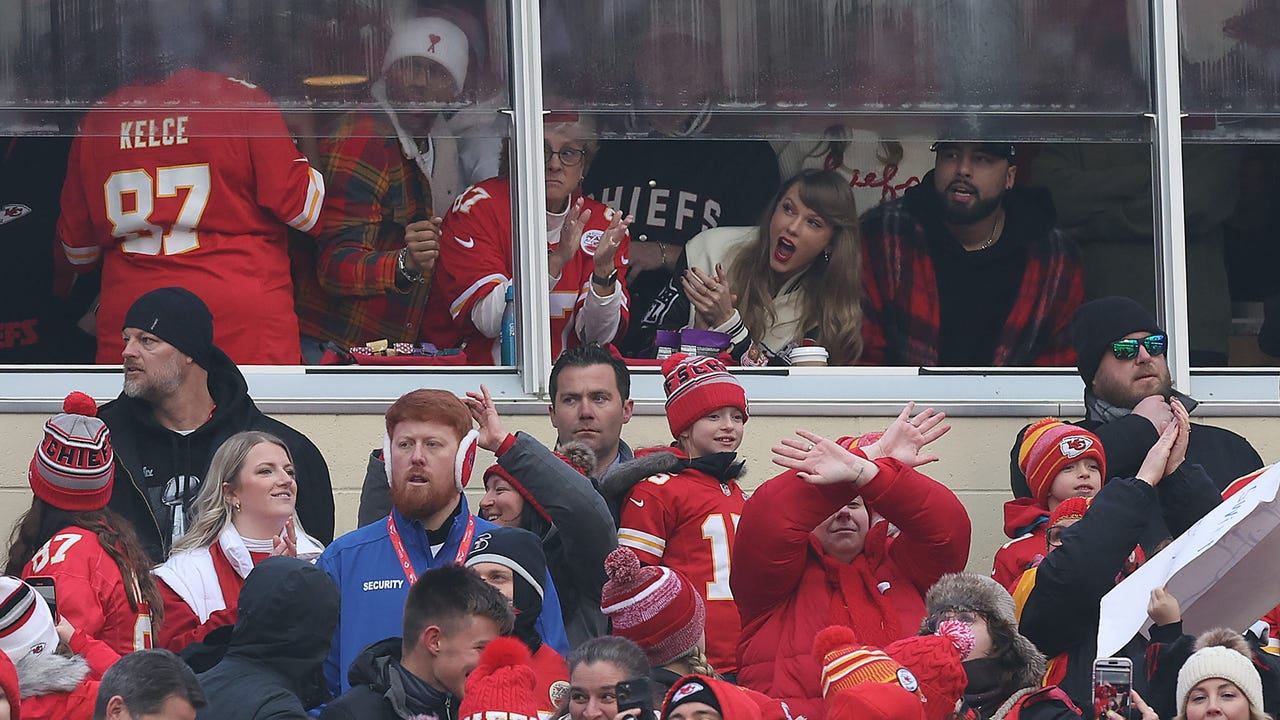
column 404, row 269
column 608, row 281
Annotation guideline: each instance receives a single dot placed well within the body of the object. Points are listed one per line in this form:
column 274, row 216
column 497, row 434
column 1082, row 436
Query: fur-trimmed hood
column 619, row 480
column 50, row 673
column 979, row 593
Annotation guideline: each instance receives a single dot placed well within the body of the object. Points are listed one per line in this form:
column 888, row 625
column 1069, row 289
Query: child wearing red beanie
column 1060, row 461
column 679, row 506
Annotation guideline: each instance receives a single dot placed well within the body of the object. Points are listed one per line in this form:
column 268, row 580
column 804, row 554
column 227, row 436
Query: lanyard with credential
column 407, row 566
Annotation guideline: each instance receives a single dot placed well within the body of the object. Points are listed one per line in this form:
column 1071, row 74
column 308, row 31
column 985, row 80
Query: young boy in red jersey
column 682, row 503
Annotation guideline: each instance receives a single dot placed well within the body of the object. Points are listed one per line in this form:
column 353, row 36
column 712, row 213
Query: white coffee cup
column 808, row 356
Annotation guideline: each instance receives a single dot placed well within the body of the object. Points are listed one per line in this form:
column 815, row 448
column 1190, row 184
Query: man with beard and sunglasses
column 967, row 270
column 429, row 449
column 1121, row 356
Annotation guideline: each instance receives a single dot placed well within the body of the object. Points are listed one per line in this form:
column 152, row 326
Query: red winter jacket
column 77, row 703
column 1025, row 522
column 788, row 590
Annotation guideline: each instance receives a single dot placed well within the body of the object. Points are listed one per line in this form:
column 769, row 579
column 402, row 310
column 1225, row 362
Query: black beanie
column 178, row 317
column 521, row 552
column 1098, row 323
column 691, row 689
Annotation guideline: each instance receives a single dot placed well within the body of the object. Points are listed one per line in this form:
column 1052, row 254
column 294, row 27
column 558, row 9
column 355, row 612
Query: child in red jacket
column 59, row 667
column 1060, row 461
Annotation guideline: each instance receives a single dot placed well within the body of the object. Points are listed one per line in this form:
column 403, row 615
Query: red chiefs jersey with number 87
column 192, row 182
column 91, row 591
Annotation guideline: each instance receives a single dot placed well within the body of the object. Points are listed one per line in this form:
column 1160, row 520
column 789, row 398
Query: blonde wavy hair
column 213, row 510
column 832, row 286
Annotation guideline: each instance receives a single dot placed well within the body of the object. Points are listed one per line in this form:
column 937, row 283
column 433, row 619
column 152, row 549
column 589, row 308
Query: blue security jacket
column 373, row 586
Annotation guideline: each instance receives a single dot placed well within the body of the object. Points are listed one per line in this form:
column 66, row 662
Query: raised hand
column 820, row 461
column 1163, row 607
column 422, row 238
column 1153, row 465
column 711, row 297
column 1178, row 452
column 907, row 436
column 570, row 238
column 288, row 544
column 610, row 242
column 485, row 413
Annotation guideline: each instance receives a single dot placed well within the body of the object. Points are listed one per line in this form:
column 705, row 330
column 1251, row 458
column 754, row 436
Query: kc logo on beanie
column 1050, row 445
column 26, row 625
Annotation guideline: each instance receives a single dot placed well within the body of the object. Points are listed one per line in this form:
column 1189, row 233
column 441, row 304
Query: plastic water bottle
column 508, row 333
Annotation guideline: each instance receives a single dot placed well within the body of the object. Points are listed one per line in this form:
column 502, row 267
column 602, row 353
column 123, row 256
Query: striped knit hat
column 73, row 465
column 847, row 664
column 695, row 386
column 1050, row 445
column 653, row 606
column 26, row 625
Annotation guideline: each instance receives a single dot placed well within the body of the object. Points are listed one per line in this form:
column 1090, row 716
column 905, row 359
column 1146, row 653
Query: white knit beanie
column 26, row 625
column 1216, row 661
column 433, row 38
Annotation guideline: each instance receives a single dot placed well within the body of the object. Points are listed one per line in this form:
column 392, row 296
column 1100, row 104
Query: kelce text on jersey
column 136, row 134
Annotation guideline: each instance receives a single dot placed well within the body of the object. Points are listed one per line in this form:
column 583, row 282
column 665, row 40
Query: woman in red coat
column 101, row 573
column 809, row 555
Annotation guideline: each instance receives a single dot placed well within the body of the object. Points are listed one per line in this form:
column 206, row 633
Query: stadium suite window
column 878, row 74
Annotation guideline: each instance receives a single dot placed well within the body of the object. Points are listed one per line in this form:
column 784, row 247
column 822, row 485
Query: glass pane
column 883, row 55
column 1246, row 222
column 1230, row 62
column 58, row 56
column 189, row 177
column 1102, row 193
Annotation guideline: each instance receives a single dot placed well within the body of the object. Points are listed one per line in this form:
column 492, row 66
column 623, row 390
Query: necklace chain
column 995, row 234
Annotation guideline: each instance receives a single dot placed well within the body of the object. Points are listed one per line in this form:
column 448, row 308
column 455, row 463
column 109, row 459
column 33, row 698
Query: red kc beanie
column 938, row 663
column 502, row 685
column 1050, row 445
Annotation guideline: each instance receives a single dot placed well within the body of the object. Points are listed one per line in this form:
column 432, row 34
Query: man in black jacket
column 1120, row 353
column 272, row 668
column 449, row 616
column 182, row 398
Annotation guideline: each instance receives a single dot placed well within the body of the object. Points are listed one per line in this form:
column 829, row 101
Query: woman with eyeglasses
column 1128, row 520
column 796, row 279
column 587, row 245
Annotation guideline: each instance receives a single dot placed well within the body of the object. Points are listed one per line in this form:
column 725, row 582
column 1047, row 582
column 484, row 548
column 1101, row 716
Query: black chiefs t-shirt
column 676, row 188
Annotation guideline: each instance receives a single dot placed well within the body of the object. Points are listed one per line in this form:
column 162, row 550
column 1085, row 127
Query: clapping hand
column 710, row 297
column 610, row 242
column 287, row 542
column 820, row 461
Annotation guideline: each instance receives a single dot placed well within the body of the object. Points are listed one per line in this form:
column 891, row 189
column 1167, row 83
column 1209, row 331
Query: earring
column 826, row 256
column 236, row 507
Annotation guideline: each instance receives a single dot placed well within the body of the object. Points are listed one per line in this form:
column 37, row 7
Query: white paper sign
column 1224, row 570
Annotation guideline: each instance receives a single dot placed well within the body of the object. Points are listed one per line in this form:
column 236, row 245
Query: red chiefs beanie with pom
column 502, row 685
column 653, row 606
column 695, row 386
column 875, row 701
column 846, row 663
column 1050, row 445
column 73, row 466
column 937, row 662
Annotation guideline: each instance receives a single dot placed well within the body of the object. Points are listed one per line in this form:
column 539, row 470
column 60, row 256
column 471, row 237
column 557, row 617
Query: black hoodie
column 272, row 669
column 150, row 458
column 380, row 688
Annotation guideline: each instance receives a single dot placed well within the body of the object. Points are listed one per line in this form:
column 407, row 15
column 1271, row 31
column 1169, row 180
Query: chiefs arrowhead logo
column 686, row 690
column 1075, row 445
column 13, row 211
column 591, row 241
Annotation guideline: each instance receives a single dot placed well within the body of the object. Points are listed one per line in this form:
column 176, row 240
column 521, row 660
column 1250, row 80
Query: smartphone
column 635, row 694
column 1112, row 680
column 44, row 586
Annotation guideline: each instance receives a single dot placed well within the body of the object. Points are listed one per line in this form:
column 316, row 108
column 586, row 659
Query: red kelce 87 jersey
column 192, row 182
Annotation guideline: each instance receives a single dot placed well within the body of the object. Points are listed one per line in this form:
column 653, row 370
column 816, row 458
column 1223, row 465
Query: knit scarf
column 856, row 600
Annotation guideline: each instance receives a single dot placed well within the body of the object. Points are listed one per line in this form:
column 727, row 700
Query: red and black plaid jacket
column 901, row 313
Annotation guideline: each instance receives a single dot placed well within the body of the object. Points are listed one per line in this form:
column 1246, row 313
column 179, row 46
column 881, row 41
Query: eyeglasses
column 1127, row 349
column 967, row 616
column 568, row 156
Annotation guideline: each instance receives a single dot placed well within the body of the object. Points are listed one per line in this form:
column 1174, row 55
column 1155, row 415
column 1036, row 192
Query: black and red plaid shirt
column 901, row 312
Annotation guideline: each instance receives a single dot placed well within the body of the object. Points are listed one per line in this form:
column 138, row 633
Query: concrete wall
column 975, row 456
